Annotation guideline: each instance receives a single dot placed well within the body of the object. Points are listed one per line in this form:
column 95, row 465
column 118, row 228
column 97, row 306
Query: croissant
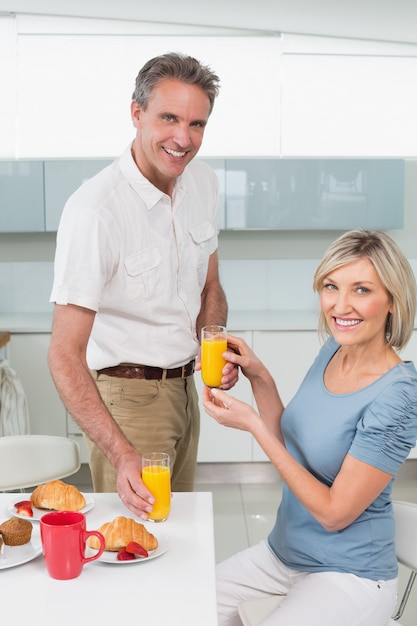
column 59, row 496
column 120, row 532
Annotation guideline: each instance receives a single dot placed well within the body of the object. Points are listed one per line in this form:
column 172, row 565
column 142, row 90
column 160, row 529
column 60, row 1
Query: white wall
column 67, row 83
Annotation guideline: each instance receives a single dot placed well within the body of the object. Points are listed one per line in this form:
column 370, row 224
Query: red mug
column 64, row 536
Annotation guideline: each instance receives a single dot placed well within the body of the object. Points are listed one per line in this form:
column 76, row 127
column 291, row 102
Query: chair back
column 406, row 533
column 30, row 460
column 406, row 546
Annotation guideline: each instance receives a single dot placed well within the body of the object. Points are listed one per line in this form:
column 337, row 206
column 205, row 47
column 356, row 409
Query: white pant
column 312, row 599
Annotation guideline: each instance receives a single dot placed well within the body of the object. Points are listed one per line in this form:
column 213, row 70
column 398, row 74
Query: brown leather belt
column 148, row 373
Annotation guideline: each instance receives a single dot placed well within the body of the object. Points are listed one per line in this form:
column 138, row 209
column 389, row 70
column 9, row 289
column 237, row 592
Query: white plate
column 37, row 513
column 16, row 555
column 111, row 557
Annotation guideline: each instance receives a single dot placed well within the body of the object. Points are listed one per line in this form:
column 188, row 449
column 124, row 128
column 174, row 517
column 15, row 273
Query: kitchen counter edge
column 238, row 321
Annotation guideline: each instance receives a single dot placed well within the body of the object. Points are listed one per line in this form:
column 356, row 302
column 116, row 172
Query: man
column 136, row 278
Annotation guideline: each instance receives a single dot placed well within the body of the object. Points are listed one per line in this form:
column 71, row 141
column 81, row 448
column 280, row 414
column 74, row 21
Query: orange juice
column 158, row 480
column 212, row 361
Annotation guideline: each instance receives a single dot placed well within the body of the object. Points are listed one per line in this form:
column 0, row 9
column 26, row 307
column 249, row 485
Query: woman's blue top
column 377, row 425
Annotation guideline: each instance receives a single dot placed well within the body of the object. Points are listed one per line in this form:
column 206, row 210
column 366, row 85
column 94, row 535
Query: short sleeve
column 387, row 430
column 81, row 269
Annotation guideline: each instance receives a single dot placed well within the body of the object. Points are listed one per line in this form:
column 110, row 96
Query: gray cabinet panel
column 312, row 194
column 219, row 167
column 62, row 178
column 254, row 193
column 21, row 196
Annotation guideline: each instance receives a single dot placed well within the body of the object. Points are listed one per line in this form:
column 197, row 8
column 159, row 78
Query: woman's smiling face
column 355, row 303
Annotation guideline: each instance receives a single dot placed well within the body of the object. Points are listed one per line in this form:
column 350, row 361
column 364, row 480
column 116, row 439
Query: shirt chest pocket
column 204, row 242
column 143, row 274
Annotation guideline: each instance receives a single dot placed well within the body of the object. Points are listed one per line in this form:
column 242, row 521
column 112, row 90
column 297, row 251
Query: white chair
column 253, row 612
column 30, row 460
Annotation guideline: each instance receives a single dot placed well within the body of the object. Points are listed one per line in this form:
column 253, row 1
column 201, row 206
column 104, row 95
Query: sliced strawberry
column 135, row 548
column 25, row 510
column 123, row 555
column 23, row 503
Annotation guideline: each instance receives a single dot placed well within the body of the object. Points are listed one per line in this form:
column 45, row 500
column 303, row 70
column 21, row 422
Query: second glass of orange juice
column 213, row 344
column 156, row 476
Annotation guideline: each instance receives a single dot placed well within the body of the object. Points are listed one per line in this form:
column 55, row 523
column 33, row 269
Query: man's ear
column 135, row 112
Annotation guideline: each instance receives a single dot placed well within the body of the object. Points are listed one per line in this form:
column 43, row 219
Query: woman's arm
column 357, row 483
column 264, row 389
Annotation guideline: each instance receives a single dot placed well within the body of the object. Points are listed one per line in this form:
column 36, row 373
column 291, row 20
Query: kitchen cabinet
column 310, row 194
column 21, row 196
column 254, row 193
column 33, row 193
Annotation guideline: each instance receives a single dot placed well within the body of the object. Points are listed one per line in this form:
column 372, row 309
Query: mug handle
column 88, row 533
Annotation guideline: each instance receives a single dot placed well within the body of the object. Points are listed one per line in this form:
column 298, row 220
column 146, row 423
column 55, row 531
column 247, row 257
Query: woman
column 337, row 446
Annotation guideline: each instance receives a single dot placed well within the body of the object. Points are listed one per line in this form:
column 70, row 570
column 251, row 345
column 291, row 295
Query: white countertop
column 177, row 588
column 280, row 320
column 26, row 322
column 238, row 321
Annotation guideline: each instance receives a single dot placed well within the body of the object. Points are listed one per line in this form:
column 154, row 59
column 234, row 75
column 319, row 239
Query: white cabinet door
column 288, row 355
column 28, row 357
column 219, row 443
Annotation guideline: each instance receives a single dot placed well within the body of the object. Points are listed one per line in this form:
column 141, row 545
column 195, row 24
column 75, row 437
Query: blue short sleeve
column 388, row 428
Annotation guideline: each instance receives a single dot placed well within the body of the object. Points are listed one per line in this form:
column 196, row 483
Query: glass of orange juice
column 156, row 476
column 213, row 344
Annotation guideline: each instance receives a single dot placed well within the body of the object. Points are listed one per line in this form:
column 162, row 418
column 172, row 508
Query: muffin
column 16, row 532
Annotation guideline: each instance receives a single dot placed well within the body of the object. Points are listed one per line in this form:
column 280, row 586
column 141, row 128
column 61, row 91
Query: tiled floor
column 245, row 499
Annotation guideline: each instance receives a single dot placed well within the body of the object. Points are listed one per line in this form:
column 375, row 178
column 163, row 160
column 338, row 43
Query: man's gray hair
column 175, row 66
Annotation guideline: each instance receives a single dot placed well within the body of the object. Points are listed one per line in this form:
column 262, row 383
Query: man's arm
column 214, row 311
column 213, row 299
column 68, row 365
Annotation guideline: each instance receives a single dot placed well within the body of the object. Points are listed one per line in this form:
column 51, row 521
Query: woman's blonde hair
column 393, row 269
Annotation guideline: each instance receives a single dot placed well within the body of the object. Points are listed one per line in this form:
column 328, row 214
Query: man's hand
column 132, row 492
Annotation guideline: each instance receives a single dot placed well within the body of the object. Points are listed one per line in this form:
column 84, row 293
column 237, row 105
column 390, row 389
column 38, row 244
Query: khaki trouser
column 155, row 415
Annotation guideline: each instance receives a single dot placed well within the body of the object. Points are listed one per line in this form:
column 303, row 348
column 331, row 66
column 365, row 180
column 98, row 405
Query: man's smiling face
column 169, row 131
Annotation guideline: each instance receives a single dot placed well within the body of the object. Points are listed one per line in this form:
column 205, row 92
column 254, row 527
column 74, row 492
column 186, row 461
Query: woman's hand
column 229, row 411
column 230, row 372
column 241, row 355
